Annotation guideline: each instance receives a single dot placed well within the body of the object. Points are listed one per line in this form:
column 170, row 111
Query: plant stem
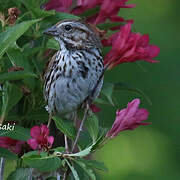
column 2, row 164
column 81, row 126
column 65, row 175
column 49, row 121
column 66, row 143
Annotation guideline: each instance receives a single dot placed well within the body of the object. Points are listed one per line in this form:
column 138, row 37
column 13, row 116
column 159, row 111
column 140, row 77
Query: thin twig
column 49, row 121
column 2, row 164
column 81, row 125
column 66, row 143
column 65, row 175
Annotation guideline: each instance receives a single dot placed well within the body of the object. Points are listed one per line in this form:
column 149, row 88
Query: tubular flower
column 128, row 118
column 59, row 5
column 40, row 138
column 129, row 47
column 108, row 9
column 11, row 144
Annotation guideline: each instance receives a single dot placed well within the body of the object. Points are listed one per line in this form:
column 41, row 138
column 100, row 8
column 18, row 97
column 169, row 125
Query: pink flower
column 11, row 144
column 59, row 5
column 110, row 9
column 83, row 5
column 40, row 138
column 129, row 47
column 128, row 118
column 94, row 108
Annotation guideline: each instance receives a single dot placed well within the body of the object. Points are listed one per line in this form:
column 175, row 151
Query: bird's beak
column 52, row 31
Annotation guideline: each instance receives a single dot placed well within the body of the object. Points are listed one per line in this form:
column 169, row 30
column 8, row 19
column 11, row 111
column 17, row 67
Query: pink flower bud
column 128, row 118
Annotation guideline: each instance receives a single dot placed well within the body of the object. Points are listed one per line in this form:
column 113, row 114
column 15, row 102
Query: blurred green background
column 150, row 152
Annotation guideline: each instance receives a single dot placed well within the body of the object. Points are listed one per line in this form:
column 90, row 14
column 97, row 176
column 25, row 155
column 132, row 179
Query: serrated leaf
column 42, row 162
column 11, row 96
column 107, row 90
column 92, row 126
column 87, row 170
column 65, row 126
column 20, row 174
column 126, row 87
column 9, row 37
column 94, row 164
column 8, row 154
column 16, row 75
column 74, row 172
column 18, row 133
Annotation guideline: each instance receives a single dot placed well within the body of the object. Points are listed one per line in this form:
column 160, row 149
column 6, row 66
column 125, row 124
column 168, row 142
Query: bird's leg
column 81, row 126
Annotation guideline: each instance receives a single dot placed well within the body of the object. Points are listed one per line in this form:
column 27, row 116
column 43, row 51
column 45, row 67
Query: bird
column 74, row 75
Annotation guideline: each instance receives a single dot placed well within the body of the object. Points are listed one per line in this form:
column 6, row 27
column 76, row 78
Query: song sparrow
column 75, row 71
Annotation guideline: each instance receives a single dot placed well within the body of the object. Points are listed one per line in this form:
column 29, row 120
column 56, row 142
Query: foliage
column 24, row 52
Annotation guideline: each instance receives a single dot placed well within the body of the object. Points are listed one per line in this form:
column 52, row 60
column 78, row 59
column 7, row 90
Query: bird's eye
column 68, row 27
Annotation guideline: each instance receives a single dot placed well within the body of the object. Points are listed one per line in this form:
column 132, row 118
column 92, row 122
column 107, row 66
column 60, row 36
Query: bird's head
column 74, row 34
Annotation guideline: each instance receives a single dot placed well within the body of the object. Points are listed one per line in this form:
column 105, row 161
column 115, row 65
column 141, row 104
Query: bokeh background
column 150, row 152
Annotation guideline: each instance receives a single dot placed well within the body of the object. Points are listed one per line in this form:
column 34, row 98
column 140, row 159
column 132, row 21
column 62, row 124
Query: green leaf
column 20, row 174
column 108, row 25
column 18, row 133
column 107, row 90
column 59, row 149
column 9, row 37
column 52, row 44
column 11, row 96
column 90, row 12
column 59, row 16
column 16, row 75
column 100, row 141
column 42, row 162
column 34, row 7
column 17, row 58
column 85, row 140
column 92, row 126
column 126, row 87
column 8, row 154
column 86, row 169
column 94, row 164
column 82, row 153
column 74, row 172
column 65, row 126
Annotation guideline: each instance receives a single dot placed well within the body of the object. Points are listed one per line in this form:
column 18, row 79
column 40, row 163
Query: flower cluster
column 108, row 9
column 128, row 118
column 126, row 45
column 11, row 144
column 129, row 47
column 40, row 138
